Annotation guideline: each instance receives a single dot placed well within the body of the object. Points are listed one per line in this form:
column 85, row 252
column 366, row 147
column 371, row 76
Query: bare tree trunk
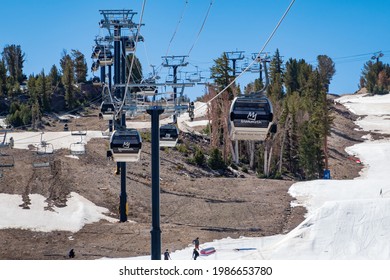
column 269, row 160
column 265, row 159
column 282, row 145
column 251, row 149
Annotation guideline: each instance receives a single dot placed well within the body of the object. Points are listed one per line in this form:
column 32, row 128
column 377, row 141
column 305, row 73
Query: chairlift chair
column 78, row 132
column 44, row 148
column 125, row 145
column 250, row 118
column 169, row 135
column 77, row 148
column 3, row 138
column 6, row 160
column 148, row 91
column 43, row 155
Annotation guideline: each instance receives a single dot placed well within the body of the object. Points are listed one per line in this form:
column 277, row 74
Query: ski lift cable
column 253, row 61
column 177, row 27
column 201, row 28
column 132, row 60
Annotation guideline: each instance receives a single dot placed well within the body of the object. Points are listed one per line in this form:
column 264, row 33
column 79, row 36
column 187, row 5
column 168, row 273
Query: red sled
column 207, row 251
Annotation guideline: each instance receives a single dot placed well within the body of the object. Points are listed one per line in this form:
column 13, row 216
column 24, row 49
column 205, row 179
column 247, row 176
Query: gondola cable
column 201, row 28
column 254, row 60
column 177, row 27
column 133, row 58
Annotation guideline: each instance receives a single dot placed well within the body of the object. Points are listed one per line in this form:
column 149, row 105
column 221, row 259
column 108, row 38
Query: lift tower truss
column 115, row 21
column 174, row 62
column 234, row 56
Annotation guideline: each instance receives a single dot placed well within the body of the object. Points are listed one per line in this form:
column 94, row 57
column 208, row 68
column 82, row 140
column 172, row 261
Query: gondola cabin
column 107, row 111
column 169, row 134
column 96, row 81
column 105, row 58
column 125, row 145
column 250, row 118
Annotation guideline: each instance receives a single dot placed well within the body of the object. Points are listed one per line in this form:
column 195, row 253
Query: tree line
column 31, row 97
column 375, row 77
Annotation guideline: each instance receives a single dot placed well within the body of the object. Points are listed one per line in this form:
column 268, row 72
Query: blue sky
column 349, row 32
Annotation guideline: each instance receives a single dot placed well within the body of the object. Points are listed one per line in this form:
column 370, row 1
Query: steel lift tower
column 174, row 61
column 234, row 56
column 115, row 21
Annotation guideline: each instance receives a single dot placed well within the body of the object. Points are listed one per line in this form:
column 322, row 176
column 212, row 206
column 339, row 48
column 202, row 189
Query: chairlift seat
column 77, row 148
column 7, row 160
column 78, row 132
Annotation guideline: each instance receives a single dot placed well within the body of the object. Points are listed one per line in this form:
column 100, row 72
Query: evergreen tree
column 376, row 77
column 326, row 69
column 216, row 161
column 220, row 73
column 14, row 59
column 43, row 91
column 291, row 76
column 68, row 81
column 80, row 66
column 310, row 159
column 32, row 89
column 275, row 89
column 54, row 77
column 3, row 79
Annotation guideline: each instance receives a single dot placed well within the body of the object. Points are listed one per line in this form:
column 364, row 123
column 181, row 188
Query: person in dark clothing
column 71, row 254
column 195, row 254
column 167, row 256
column 196, row 242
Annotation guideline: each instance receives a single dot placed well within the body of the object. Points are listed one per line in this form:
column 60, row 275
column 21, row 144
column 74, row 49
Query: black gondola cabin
column 107, row 110
column 250, row 118
column 169, row 135
column 125, row 145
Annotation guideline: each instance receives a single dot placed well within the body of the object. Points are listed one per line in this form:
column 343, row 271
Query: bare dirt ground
column 194, row 202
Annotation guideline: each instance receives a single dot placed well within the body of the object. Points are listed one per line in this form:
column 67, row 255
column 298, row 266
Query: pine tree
column 220, row 72
column 275, row 89
column 43, row 89
column 3, row 79
column 14, row 59
column 54, row 77
column 68, row 81
column 326, row 69
column 80, row 66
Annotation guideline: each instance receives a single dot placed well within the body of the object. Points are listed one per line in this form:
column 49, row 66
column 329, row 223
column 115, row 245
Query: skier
column 167, row 256
column 196, row 242
column 195, row 254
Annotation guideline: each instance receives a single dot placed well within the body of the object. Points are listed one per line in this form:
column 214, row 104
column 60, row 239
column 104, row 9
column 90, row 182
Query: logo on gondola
column 126, row 145
column 252, row 116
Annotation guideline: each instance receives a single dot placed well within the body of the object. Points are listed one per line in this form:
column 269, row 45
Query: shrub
column 216, row 161
column 199, row 158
